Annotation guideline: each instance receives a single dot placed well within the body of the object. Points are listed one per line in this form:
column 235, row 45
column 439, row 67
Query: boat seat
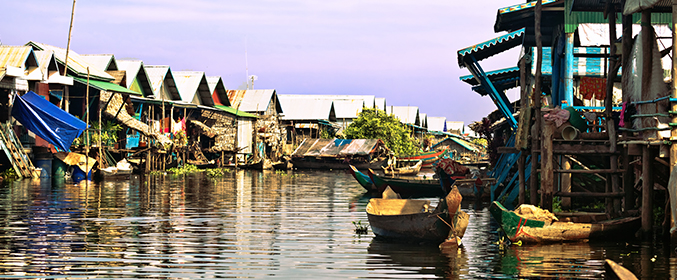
column 380, row 206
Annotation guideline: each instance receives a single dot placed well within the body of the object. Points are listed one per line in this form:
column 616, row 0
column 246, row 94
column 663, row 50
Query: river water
column 251, row 224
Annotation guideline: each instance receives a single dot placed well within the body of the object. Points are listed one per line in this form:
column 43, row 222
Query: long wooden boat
column 616, row 271
column 428, row 158
column 413, row 220
column 409, row 168
column 334, row 163
column 362, row 179
column 528, row 230
column 408, row 186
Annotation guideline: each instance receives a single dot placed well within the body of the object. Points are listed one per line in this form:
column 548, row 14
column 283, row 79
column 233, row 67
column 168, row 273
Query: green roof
column 100, row 85
column 235, row 112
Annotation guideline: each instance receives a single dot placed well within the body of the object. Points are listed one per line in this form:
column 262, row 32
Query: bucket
column 569, row 132
column 79, row 175
column 44, row 161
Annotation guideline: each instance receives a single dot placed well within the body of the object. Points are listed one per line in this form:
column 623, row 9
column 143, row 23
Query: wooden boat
column 428, row 158
column 413, row 220
column 408, row 186
column 616, row 271
column 529, row 230
column 122, row 168
column 259, row 164
column 407, row 168
column 362, row 179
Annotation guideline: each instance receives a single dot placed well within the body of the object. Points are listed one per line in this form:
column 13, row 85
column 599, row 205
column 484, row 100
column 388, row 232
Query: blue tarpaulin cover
column 46, row 120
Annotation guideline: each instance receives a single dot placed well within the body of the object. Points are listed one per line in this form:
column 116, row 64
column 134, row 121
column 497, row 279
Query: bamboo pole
column 647, row 176
column 535, row 143
column 614, row 65
column 673, row 134
column 68, row 47
column 628, row 180
column 524, row 105
column 87, row 136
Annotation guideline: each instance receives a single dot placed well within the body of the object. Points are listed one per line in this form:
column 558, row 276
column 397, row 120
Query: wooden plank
column 589, row 171
column 587, row 194
column 507, row 150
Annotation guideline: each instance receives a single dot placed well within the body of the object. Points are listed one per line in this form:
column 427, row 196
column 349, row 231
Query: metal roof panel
column 491, row 47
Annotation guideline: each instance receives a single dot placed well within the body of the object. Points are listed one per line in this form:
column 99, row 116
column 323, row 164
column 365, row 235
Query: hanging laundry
column 592, row 87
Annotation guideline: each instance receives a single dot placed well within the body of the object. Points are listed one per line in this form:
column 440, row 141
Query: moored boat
column 362, row 179
column 408, row 186
column 428, row 158
column 412, row 220
column 539, row 226
column 403, row 168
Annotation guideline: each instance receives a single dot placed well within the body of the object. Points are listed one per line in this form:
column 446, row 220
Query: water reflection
column 258, row 225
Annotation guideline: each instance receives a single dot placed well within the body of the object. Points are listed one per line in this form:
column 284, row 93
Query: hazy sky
column 404, row 51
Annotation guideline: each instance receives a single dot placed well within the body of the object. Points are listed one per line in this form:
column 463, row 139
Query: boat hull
column 414, row 227
column 408, row 186
column 333, row 163
column 428, row 158
column 518, row 228
column 362, row 179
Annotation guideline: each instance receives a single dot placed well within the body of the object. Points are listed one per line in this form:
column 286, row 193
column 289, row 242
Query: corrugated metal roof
column 14, row 56
column 218, row 90
column 235, row 112
column 348, row 109
column 524, row 6
column 193, row 87
column 158, row 75
column 253, row 100
column 131, row 68
column 303, row 107
column 20, row 58
column 436, row 123
column 380, row 103
column 491, row 47
column 493, row 75
column 406, row 114
column 101, row 85
column 76, row 63
column 103, row 62
column 50, row 69
column 518, row 16
column 134, row 70
column 423, row 117
column 454, row 125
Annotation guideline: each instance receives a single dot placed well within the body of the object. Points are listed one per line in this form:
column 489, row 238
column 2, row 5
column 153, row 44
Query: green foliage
column 9, row 175
column 217, row 172
column 324, row 134
column 359, row 228
column 376, row 124
column 188, row 168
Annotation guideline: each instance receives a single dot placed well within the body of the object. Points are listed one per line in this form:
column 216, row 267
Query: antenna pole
column 68, row 47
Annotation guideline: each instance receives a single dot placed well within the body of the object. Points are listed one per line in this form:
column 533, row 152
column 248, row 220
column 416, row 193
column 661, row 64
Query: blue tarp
column 46, row 120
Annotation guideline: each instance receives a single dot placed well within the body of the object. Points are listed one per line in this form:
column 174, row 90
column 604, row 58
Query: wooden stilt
column 535, row 144
column 628, row 176
column 547, row 174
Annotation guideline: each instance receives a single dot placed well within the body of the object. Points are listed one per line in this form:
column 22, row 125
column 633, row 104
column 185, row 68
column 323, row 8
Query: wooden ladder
column 15, row 153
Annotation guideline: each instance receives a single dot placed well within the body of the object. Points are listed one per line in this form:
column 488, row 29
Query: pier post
column 672, row 191
column 536, row 129
column 547, row 167
column 628, row 175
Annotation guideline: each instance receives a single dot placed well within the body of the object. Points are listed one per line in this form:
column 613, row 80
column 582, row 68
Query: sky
column 404, row 51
